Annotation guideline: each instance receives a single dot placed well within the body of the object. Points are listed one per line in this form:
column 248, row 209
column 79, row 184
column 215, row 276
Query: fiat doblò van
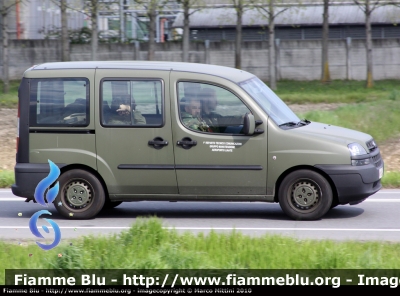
column 135, row 131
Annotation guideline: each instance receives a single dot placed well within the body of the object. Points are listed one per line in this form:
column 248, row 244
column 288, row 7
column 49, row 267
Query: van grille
column 377, row 159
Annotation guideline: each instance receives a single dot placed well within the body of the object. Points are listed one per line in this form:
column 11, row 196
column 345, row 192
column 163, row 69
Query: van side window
column 131, row 102
column 209, row 108
column 59, row 102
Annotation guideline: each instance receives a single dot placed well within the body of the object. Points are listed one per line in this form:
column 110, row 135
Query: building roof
column 232, row 74
column 310, row 15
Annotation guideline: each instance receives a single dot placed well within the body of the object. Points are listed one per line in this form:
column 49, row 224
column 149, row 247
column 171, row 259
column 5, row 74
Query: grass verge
column 146, row 245
column 391, row 180
column 9, row 100
column 6, row 178
column 338, row 91
column 379, row 119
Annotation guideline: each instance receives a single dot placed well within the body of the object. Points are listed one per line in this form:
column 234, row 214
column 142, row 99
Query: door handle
column 158, row 143
column 186, row 143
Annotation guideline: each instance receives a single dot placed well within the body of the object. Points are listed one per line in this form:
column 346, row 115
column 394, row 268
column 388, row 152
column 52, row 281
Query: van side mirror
column 249, row 124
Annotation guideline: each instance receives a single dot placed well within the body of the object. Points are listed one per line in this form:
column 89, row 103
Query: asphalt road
column 377, row 218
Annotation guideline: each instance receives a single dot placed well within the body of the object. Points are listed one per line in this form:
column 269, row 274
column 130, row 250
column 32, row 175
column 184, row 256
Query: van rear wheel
column 81, row 195
column 305, row 195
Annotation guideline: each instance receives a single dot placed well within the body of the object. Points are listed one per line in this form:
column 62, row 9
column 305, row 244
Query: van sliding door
column 133, row 133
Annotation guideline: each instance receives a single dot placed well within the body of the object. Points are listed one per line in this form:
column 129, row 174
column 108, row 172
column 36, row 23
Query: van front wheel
column 305, row 195
column 81, row 195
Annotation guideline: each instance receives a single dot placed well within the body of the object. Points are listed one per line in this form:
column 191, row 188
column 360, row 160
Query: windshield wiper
column 304, row 122
column 289, row 123
column 292, row 123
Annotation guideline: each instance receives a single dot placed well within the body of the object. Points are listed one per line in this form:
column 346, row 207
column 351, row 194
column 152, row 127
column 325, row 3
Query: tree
column 152, row 8
column 64, row 32
column 186, row 22
column 368, row 6
column 65, row 38
column 5, row 7
column 240, row 7
column 152, row 15
column 187, row 5
column 91, row 9
column 325, row 74
column 268, row 11
column 93, row 6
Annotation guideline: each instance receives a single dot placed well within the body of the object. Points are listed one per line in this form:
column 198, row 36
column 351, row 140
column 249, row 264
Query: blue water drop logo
column 35, row 230
column 41, row 197
column 45, row 183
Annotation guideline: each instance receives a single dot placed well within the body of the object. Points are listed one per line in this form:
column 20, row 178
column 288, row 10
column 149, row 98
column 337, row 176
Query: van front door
column 213, row 158
column 133, row 133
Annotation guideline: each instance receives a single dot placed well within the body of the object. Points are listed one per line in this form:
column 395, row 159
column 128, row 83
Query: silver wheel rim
column 304, row 195
column 78, row 195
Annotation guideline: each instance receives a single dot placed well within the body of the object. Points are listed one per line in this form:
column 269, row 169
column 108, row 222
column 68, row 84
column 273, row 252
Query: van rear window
column 131, row 102
column 59, row 102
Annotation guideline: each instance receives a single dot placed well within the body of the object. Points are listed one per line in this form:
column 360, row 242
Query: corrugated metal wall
column 296, row 33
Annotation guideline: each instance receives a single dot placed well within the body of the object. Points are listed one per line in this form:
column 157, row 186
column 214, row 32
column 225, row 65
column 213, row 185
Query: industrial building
column 216, row 21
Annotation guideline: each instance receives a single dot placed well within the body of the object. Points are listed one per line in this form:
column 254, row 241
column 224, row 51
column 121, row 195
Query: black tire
column 81, row 195
column 305, row 195
column 108, row 205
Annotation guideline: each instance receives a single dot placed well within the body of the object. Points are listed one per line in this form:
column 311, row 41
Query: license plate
column 380, row 173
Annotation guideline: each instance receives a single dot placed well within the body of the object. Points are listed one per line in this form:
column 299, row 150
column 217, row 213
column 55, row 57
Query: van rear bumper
column 28, row 176
column 353, row 183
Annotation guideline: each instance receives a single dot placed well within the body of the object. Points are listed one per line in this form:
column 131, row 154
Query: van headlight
column 356, row 150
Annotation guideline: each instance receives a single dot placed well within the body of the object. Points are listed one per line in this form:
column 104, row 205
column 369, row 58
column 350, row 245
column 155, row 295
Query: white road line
column 70, row 227
column 367, row 200
column 221, row 228
column 382, row 200
column 281, row 229
column 6, row 190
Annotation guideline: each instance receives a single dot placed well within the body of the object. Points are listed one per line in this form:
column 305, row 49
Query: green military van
column 135, row 131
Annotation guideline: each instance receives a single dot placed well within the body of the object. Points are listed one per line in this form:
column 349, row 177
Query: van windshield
column 269, row 101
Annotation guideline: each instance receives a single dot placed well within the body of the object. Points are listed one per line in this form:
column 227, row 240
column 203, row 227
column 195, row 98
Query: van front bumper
column 353, row 183
column 28, row 176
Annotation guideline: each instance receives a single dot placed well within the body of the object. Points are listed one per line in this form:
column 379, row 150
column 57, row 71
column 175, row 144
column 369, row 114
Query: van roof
column 232, row 74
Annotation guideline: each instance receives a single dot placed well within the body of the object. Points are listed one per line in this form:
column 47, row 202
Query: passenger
column 209, row 104
column 138, row 118
column 126, row 116
column 216, row 122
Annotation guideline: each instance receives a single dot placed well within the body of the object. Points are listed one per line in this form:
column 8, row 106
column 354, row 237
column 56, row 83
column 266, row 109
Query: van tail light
column 17, row 130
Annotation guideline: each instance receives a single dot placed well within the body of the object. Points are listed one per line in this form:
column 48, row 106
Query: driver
column 191, row 115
